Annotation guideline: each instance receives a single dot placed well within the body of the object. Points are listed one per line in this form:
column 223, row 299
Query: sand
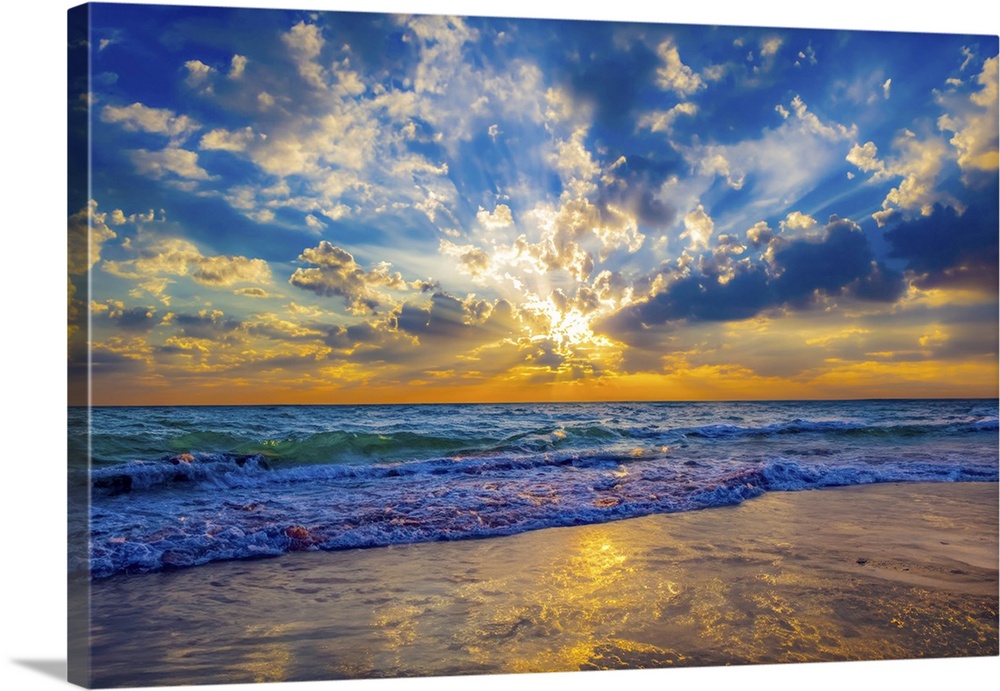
column 876, row 572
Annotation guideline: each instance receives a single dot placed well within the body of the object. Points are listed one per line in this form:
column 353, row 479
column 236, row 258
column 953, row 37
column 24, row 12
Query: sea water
column 174, row 487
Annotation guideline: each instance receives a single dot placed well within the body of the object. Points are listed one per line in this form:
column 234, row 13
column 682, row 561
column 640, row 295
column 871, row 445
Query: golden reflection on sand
column 579, row 605
column 270, row 660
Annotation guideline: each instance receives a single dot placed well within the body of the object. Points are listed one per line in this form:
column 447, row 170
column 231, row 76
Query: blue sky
column 334, row 207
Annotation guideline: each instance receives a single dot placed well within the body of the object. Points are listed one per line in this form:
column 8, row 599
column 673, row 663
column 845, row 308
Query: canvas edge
column 78, row 345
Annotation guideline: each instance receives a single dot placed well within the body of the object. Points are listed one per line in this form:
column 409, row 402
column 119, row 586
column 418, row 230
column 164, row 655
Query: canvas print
column 413, row 345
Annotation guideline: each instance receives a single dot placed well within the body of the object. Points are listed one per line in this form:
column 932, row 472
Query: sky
column 322, row 207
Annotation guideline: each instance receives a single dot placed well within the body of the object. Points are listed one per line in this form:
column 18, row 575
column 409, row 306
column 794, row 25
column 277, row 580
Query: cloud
column 207, row 325
column 305, row 43
column 918, row 162
column 237, row 67
column 164, row 256
column 565, row 232
column 277, row 328
column 674, row 75
column 572, row 160
column 633, row 185
column 462, row 323
column 782, row 164
column 199, row 75
column 769, row 46
column 254, row 292
column 125, row 318
column 224, row 140
column 170, row 161
column 471, row 260
column 440, row 40
column 88, row 231
column 865, row 157
column 760, row 234
column 798, row 272
column 799, row 225
column 698, row 226
column 950, row 250
column 140, row 118
column 500, row 217
column 663, row 120
column 975, row 123
column 812, row 123
column 335, row 273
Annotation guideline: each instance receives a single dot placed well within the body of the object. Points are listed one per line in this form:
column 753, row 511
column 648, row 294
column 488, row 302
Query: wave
column 353, row 447
column 267, row 512
column 844, row 428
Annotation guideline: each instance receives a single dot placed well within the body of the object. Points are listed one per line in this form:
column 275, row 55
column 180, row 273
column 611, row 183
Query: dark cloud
column 206, row 325
column 880, row 284
column 841, row 259
column 447, row 318
column 638, row 181
column 418, row 335
column 947, row 249
column 838, row 262
column 136, row 319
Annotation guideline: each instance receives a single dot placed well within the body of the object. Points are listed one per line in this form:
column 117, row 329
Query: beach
column 885, row 571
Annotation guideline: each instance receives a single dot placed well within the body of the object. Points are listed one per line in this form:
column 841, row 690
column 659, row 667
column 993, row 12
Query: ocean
column 179, row 487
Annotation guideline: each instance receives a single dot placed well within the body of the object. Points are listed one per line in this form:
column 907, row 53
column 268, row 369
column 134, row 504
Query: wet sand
column 859, row 573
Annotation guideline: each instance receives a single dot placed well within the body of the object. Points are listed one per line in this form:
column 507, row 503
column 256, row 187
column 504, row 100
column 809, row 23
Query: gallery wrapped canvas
column 423, row 345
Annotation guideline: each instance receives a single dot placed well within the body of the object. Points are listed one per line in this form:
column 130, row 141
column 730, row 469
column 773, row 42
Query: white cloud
column 304, row 43
column 500, row 217
column 440, row 41
column 779, row 166
column 140, row 118
column 199, row 75
column 865, row 157
column 176, row 161
column 315, row 224
column 712, row 161
column 918, row 163
column 798, row 220
column 224, row 140
column 237, row 67
column 797, row 225
column 886, row 85
column 968, row 55
column 698, row 227
column 975, row 123
column 163, row 256
column 472, row 260
column 559, row 105
column 663, row 120
column 811, row 122
column 674, row 75
column 572, row 160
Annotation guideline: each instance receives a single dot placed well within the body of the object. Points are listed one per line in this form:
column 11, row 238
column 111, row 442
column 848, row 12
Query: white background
column 32, row 335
